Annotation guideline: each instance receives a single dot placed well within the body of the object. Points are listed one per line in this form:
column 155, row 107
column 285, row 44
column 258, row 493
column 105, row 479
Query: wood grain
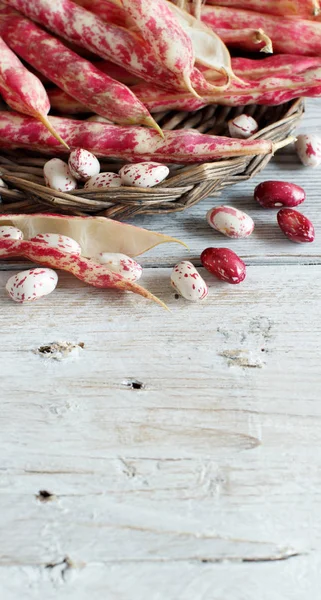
column 168, row 455
column 209, row 465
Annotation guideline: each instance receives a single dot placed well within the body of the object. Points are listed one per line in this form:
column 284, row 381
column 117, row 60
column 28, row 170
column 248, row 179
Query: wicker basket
column 184, row 187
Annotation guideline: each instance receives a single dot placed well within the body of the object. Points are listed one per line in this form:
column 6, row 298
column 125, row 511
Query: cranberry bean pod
column 295, row 226
column 163, row 33
column 93, row 234
column 22, row 90
column 121, row 46
column 224, row 264
column 75, row 75
column 269, row 91
column 133, row 144
column 282, row 65
column 65, row 104
column 274, row 194
column 84, row 269
column 106, row 10
column 299, row 8
column 288, row 35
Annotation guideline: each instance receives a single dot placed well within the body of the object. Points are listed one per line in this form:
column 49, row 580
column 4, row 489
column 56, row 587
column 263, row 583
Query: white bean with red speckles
column 144, row 174
column 187, row 281
column 103, row 180
column 308, row 148
column 230, row 221
column 242, row 126
column 56, row 240
column 58, row 177
column 30, row 285
column 7, row 232
column 121, row 264
column 83, row 164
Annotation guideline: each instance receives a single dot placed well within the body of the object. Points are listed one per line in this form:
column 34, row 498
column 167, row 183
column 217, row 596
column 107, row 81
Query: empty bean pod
column 30, row 285
column 83, row 164
column 230, row 221
column 224, row 264
column 187, row 281
column 274, row 194
column 122, row 264
column 58, row 177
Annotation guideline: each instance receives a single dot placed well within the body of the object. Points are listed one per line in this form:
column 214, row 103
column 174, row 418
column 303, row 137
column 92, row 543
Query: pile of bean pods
column 121, row 61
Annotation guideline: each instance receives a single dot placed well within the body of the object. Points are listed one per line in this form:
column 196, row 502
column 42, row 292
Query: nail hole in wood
column 45, row 496
column 133, row 384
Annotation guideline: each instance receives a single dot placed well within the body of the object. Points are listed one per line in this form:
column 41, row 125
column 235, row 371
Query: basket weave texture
column 184, row 187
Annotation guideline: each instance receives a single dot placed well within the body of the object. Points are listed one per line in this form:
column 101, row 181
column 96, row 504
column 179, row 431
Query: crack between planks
column 264, row 261
column 67, row 564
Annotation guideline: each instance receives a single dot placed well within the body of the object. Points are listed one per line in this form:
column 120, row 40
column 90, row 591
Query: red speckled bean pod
column 108, row 41
column 164, row 34
column 288, row 34
column 117, row 72
column 106, row 10
column 21, row 89
column 65, row 104
column 270, row 91
column 302, row 8
column 281, row 65
column 75, row 75
column 132, row 144
column 86, row 270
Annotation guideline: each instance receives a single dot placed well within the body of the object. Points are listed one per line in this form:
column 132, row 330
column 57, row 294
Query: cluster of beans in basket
column 221, row 262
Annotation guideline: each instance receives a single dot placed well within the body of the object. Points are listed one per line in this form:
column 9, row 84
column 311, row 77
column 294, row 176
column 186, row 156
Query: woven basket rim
column 185, row 186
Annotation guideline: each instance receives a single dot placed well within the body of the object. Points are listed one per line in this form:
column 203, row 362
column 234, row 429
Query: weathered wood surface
column 204, row 484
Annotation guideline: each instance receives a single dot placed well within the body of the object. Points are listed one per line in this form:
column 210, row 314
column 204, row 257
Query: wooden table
column 175, row 456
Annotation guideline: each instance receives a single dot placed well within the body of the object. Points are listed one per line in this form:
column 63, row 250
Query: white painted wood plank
column 295, row 579
column 217, row 459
